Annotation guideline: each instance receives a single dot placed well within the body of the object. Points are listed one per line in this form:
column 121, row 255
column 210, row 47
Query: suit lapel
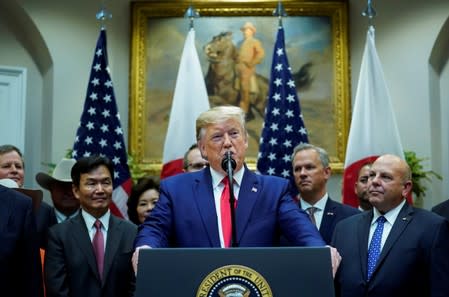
column 82, row 240
column 204, row 197
column 362, row 238
column 328, row 217
column 112, row 244
column 248, row 194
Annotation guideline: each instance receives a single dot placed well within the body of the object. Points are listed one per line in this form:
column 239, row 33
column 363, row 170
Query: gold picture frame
column 159, row 24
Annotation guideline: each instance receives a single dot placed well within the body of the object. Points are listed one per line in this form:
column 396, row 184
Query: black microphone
column 228, row 163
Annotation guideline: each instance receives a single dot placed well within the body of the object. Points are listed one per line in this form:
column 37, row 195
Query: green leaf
column 419, row 175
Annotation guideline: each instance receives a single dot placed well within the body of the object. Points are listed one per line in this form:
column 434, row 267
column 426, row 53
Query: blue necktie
column 374, row 246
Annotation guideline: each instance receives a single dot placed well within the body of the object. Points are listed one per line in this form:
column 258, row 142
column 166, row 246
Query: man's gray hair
column 324, row 157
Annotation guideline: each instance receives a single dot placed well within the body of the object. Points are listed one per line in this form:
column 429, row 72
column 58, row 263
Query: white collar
column 390, row 215
column 90, row 220
column 320, row 205
column 217, row 177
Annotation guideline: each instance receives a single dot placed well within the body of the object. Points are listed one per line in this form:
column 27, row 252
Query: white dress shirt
column 390, row 217
column 319, row 209
column 90, row 221
column 218, row 187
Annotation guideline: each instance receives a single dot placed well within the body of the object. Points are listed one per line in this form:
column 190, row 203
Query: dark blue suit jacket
column 414, row 260
column 20, row 266
column 333, row 213
column 442, row 209
column 45, row 218
column 185, row 214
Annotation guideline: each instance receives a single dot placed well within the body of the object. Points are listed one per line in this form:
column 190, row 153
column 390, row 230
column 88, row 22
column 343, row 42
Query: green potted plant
column 419, row 175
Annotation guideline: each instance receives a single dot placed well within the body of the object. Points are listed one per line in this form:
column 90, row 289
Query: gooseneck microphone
column 228, row 164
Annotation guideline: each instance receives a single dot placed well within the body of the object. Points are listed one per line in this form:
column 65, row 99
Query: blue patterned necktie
column 374, row 246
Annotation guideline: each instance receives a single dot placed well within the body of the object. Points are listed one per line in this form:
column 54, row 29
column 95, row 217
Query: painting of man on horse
column 218, row 41
column 223, row 81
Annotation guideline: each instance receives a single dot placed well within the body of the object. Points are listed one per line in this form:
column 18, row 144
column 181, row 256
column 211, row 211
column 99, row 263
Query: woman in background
column 144, row 196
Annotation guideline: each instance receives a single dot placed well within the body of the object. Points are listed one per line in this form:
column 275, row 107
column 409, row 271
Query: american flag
column 100, row 131
column 283, row 127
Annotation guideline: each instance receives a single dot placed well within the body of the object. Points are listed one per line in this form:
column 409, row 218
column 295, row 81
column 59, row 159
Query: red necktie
column 225, row 210
column 98, row 244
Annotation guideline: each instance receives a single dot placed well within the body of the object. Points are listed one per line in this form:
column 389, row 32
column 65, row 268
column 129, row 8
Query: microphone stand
column 230, row 165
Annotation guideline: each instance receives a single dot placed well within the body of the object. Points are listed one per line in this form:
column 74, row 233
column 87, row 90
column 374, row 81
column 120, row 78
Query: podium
column 246, row 272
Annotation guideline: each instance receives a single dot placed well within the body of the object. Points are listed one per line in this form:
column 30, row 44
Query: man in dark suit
column 361, row 187
column 59, row 183
column 311, row 170
column 394, row 249
column 189, row 212
column 20, row 267
column 442, row 209
column 45, row 218
column 12, row 166
column 90, row 254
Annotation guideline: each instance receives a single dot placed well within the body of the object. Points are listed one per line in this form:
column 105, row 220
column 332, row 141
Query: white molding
column 13, row 105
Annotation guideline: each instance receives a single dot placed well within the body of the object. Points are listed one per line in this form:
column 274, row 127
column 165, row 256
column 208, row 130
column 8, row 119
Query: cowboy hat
column 248, row 25
column 61, row 173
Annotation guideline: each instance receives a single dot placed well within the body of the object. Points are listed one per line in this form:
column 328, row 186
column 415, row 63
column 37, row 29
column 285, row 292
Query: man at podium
column 194, row 209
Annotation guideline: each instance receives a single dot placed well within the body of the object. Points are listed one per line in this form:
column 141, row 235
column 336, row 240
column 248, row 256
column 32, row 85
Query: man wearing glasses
column 193, row 161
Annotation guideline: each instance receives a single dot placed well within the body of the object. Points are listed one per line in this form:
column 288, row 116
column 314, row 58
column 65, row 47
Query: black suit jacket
column 414, row 260
column 45, row 218
column 442, row 209
column 333, row 213
column 70, row 265
column 20, row 266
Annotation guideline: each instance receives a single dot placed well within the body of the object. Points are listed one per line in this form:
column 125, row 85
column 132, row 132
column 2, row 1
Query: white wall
column 70, row 31
column 13, row 54
column 405, row 34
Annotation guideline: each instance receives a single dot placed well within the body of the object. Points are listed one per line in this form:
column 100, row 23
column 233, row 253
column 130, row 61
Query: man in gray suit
column 90, row 255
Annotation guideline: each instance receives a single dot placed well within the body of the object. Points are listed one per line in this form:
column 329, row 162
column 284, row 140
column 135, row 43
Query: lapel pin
column 330, row 213
column 253, row 189
column 404, row 218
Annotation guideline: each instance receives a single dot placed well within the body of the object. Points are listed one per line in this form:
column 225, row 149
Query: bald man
column 412, row 244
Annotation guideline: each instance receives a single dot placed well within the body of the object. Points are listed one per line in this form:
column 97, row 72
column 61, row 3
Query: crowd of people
column 78, row 248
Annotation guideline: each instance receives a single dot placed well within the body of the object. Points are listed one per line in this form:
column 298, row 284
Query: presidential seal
column 234, row 281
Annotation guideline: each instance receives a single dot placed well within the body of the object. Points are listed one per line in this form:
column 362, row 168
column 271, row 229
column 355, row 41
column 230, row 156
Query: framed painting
column 316, row 41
